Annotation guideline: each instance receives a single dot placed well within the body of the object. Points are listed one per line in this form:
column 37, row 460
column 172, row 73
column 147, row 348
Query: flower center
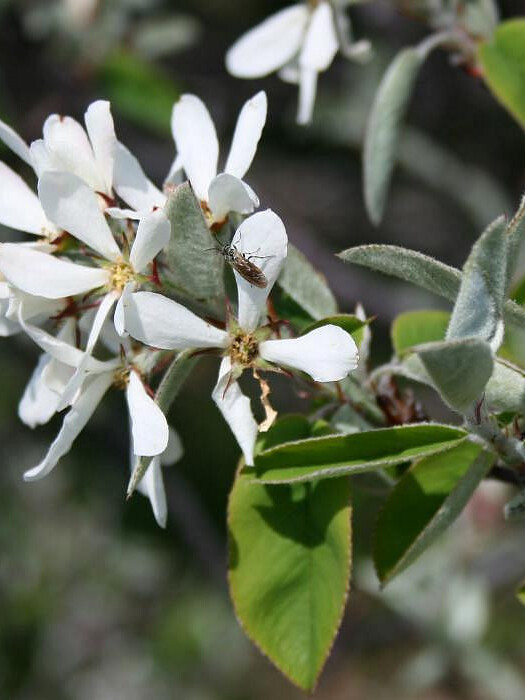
column 244, row 349
column 121, row 378
column 119, row 275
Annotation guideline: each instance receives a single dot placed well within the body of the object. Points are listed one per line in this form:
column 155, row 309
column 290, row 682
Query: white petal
column 73, row 424
column 73, row 206
column 247, row 133
column 270, row 45
column 307, row 92
column 262, row 237
column 68, row 144
column 320, row 43
column 236, row 409
column 43, row 275
column 82, row 369
column 131, row 183
column 64, row 352
column 153, row 234
column 149, row 428
column 119, row 319
column 118, row 213
column 42, row 159
column 39, row 402
column 327, row 353
column 101, row 132
column 15, row 142
column 227, row 193
column 163, row 323
column 196, row 141
column 152, row 486
column 37, row 309
column 19, row 205
column 174, row 451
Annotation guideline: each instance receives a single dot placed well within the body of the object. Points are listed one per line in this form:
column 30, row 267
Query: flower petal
column 15, row 142
column 119, row 319
column 69, row 147
column 174, row 451
column 101, row 132
column 236, row 409
column 82, row 369
column 131, row 183
column 227, row 193
column 38, row 402
column 270, row 45
column 327, row 353
column 163, row 323
column 43, row 275
column 118, row 213
column 73, row 206
column 247, row 133
column 262, row 237
column 196, row 141
column 41, row 158
column 307, row 93
column 73, row 424
column 152, row 486
column 153, row 234
column 19, row 205
column 149, row 428
column 320, row 43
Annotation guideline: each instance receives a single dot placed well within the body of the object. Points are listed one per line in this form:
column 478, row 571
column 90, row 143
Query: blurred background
column 98, row 603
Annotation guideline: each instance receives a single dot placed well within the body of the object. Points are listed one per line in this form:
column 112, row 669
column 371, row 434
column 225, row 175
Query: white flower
column 327, row 353
column 150, row 435
column 73, row 205
column 198, row 154
column 300, row 40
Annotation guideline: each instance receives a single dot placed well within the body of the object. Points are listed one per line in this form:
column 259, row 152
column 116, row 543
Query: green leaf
column 350, row 323
column 421, row 270
column 426, row 500
column 139, row 90
column 307, row 287
column 325, row 457
column 503, row 63
column 166, row 393
column 479, row 305
column 285, row 429
column 418, row 327
column 195, row 269
column 289, row 570
column 459, row 369
column 384, row 125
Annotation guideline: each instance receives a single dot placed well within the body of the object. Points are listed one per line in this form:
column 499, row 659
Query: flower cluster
column 300, row 42
column 87, row 289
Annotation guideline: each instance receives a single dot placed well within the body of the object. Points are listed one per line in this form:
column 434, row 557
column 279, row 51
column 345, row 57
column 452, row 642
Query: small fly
column 242, row 263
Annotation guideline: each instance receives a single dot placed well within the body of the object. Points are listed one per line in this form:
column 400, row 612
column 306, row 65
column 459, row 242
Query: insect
column 242, row 263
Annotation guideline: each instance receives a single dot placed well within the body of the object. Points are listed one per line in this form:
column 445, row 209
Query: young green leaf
column 479, row 305
column 335, row 455
column 289, row 569
column 307, row 287
column 382, row 133
column 195, row 269
column 503, row 63
column 418, row 327
column 426, row 500
column 421, row 270
column 459, row 369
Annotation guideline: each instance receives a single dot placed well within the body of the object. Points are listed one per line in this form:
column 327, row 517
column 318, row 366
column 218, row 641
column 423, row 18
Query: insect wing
column 248, row 271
